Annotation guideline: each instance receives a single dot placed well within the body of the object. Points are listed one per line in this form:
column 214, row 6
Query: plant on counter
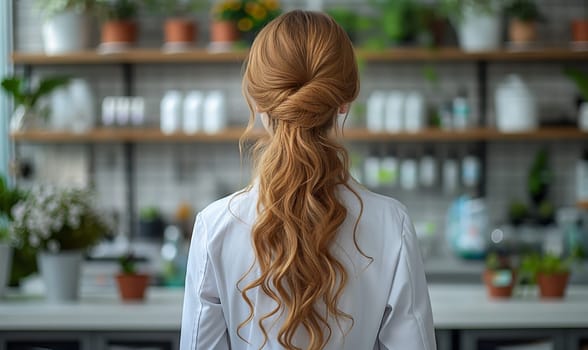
column 179, row 27
column 499, row 276
column 538, row 183
column 524, row 15
column 119, row 27
column 131, row 284
column 549, row 271
column 151, row 223
column 247, row 17
column 28, row 113
column 59, row 225
column 517, row 212
column 580, row 78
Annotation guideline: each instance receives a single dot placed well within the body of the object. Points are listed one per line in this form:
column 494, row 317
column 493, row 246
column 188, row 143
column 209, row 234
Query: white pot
column 583, row 116
column 66, row 32
column 5, row 265
column 61, row 275
column 479, row 31
column 516, row 106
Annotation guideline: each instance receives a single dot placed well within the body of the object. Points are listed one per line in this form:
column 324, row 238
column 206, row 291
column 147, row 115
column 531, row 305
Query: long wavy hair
column 301, row 69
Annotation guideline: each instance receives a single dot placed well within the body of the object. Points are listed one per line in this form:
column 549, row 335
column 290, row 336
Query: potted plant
column 580, row 29
column 8, row 198
column 119, row 28
column 151, row 223
column 540, row 177
column 232, row 20
column 581, row 80
column 131, row 284
column 180, row 31
column 517, row 213
column 400, row 22
column 66, row 25
column 549, row 271
column 477, row 23
column 499, row 276
column 346, row 18
column 59, row 225
column 28, row 114
column 524, row 15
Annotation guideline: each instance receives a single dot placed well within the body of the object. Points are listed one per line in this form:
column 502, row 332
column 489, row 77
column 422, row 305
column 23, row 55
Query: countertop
column 454, row 307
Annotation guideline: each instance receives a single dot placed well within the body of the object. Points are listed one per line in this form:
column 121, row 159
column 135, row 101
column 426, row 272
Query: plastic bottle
column 408, row 174
column 170, row 112
column 394, row 112
column 375, row 111
column 372, row 170
column 214, row 115
column 471, row 171
column 428, row 169
column 192, row 117
column 450, row 174
column 389, row 169
column 461, row 110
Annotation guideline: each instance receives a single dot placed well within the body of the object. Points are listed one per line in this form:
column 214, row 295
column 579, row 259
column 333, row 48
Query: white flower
column 34, row 241
column 18, row 211
column 53, row 246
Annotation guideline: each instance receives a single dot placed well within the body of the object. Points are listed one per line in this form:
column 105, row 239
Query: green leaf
column 46, row 86
column 15, row 87
column 580, row 78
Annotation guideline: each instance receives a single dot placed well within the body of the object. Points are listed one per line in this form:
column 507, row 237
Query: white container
column 389, row 170
column 372, row 171
column 428, row 170
column 375, row 111
column 108, row 111
column 192, row 118
column 582, row 178
column 394, row 109
column 170, row 117
column 62, row 112
column 214, row 118
column 408, row 174
column 516, row 107
column 61, row 275
column 583, row 116
column 471, row 171
column 82, row 98
column 123, row 110
column 479, row 31
column 68, row 31
column 414, row 112
column 137, row 111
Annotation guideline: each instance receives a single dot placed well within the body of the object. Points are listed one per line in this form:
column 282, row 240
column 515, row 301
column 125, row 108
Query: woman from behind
column 304, row 258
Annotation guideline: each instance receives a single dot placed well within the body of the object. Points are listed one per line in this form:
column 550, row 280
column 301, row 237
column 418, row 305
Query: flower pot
column 583, row 116
column 118, row 34
column 522, row 32
column 66, row 32
column 5, row 265
column 61, row 275
column 24, row 118
column 478, row 31
column 580, row 31
column 553, row 286
column 151, row 229
column 132, row 287
column 224, row 32
column 499, row 284
column 180, row 31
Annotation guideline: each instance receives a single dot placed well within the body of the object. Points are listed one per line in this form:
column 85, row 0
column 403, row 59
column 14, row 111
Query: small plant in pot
column 180, row 30
column 580, row 78
column 29, row 112
column 518, row 212
column 66, row 25
column 499, row 276
column 579, row 28
column 131, row 284
column 119, row 27
column 524, row 16
column 549, row 271
column 151, row 223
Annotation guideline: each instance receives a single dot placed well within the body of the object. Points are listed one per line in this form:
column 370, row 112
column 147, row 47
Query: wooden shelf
column 205, row 56
column 233, row 135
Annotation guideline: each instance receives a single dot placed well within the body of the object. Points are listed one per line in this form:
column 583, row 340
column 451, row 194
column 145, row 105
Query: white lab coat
column 388, row 299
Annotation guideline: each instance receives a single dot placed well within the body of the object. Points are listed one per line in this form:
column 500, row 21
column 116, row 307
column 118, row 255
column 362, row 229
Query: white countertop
column 454, row 307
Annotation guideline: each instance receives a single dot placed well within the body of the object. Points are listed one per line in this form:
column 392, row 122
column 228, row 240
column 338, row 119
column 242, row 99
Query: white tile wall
column 198, row 173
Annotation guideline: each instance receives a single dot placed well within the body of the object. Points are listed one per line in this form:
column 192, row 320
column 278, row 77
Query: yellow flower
column 272, row 4
column 245, row 24
column 250, row 8
column 259, row 13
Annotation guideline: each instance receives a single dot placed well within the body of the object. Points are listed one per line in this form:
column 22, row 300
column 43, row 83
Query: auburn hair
column 301, row 69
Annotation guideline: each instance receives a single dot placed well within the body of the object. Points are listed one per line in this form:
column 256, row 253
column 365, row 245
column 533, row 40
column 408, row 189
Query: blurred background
column 121, row 119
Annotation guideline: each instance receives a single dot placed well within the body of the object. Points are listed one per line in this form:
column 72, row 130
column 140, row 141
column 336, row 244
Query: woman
column 305, row 258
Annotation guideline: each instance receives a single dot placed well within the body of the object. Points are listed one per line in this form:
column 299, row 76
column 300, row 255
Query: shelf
column 204, row 56
column 233, row 135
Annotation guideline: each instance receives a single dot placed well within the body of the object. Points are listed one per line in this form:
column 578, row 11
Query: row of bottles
column 426, row 171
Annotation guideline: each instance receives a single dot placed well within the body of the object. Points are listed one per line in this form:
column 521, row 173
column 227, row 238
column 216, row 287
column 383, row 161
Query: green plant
column 51, row 8
column 51, row 219
column 524, row 10
column 547, row 264
column 495, row 262
column 127, row 264
column 250, row 15
column 454, row 9
column 545, row 212
column 517, row 212
column 149, row 213
column 8, row 198
column 116, row 10
column 346, row 18
column 581, row 80
column 175, row 8
column 540, row 177
column 17, row 88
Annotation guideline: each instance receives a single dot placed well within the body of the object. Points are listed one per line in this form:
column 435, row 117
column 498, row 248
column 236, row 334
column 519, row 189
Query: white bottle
column 389, row 170
column 394, row 112
column 375, row 111
column 108, row 111
column 414, row 112
column 470, row 171
column 82, row 99
column 427, row 170
column 170, row 112
column 450, row 175
column 214, row 117
column 123, row 110
column 408, row 174
column 372, row 170
column 137, row 111
column 582, row 178
column 192, row 118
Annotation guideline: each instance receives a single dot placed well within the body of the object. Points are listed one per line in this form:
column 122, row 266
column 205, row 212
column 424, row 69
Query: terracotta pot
column 223, row 31
column 522, row 31
column 180, row 30
column 553, row 286
column 119, row 32
column 580, row 30
column 498, row 291
column 132, row 287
